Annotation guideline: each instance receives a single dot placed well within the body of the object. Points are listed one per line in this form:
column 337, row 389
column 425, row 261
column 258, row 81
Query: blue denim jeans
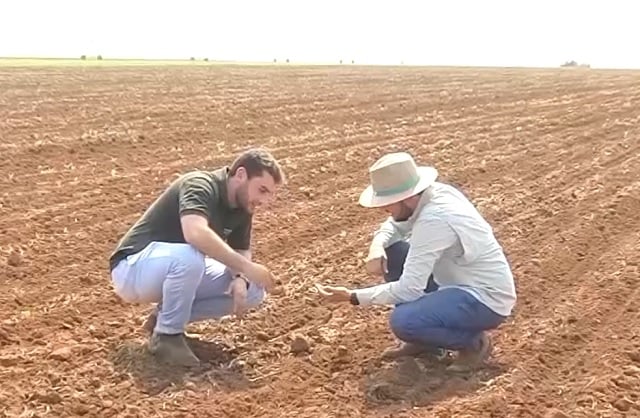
column 186, row 285
column 450, row 319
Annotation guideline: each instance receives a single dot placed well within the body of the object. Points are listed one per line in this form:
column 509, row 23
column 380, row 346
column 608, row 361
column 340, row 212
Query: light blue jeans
column 186, row 285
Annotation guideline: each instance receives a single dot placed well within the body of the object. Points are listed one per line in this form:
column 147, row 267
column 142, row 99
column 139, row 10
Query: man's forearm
column 244, row 253
column 210, row 244
column 387, row 234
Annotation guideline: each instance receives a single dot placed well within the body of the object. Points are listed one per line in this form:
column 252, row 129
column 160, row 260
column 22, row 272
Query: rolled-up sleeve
column 389, row 233
column 430, row 237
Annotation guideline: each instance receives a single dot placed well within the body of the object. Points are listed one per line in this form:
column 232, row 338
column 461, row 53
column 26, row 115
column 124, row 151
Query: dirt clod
column 300, row 345
column 8, row 361
column 62, row 354
column 623, row 404
column 556, row 413
column 15, row 259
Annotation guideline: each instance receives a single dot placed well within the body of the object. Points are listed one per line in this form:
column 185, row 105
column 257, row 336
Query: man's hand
column 238, row 291
column 334, row 293
column 376, row 262
column 259, row 274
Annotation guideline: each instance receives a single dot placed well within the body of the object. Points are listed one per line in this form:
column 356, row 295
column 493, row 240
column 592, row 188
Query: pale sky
column 602, row 33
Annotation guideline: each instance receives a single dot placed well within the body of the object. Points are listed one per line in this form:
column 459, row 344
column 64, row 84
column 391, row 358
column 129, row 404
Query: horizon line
column 206, row 60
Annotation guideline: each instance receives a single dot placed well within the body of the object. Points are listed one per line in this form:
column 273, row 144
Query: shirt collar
column 223, row 177
column 425, row 198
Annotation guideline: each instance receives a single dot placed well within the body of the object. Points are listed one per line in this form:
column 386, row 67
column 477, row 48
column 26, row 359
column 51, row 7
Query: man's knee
column 396, row 256
column 255, row 297
column 412, row 321
column 402, row 323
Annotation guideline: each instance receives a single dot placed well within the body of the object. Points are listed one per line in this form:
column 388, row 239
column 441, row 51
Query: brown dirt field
column 551, row 157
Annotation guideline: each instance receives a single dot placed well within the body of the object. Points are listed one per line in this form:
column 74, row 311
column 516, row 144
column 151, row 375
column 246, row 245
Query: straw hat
column 395, row 177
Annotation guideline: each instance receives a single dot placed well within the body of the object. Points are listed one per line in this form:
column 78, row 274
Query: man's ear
column 241, row 173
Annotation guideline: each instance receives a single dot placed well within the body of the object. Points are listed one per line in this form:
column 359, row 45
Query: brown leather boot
column 410, row 350
column 172, row 349
column 473, row 358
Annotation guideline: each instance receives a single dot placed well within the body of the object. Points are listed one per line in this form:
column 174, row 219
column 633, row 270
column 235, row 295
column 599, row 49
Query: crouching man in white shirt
column 445, row 272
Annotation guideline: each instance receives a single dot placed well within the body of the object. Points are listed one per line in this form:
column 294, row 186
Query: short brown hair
column 256, row 161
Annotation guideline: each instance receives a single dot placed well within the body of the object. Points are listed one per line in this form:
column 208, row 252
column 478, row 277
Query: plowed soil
column 550, row 157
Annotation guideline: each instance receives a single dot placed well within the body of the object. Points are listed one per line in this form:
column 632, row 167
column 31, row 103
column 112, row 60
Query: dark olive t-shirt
column 198, row 191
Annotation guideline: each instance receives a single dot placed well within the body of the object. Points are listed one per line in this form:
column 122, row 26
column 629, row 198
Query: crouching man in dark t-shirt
column 190, row 252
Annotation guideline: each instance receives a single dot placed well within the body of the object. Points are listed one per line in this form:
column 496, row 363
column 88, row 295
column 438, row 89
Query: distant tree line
column 275, row 60
column 574, row 64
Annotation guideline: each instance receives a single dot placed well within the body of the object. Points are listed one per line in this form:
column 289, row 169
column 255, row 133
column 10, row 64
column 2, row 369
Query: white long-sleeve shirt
column 449, row 238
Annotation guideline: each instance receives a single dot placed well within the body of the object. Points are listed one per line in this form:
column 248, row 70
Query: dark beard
column 405, row 214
